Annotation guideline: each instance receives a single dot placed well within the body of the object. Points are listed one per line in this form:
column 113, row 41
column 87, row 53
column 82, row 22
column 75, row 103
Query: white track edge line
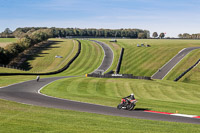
column 168, row 61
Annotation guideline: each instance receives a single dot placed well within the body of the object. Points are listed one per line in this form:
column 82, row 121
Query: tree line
column 12, row 50
column 64, row 32
column 77, row 32
column 189, row 36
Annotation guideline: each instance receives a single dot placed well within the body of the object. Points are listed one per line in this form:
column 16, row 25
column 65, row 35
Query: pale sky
column 170, row 16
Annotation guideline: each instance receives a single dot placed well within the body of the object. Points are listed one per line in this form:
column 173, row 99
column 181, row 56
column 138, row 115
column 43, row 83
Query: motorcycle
column 127, row 104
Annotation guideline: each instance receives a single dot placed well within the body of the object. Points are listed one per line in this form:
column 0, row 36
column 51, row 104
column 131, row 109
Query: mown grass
column 88, row 61
column 6, row 41
column 46, row 61
column 7, row 80
column 156, row 95
column 191, row 77
column 26, row 118
column 145, row 61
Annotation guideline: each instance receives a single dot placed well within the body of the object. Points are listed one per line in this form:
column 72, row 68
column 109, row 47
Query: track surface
column 108, row 57
column 162, row 72
column 27, row 92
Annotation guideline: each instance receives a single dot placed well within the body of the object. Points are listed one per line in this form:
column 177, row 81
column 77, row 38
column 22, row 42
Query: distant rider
column 38, row 78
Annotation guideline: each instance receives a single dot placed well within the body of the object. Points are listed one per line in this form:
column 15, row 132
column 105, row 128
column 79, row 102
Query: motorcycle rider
column 130, row 97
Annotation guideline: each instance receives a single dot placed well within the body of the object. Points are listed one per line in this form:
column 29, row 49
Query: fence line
column 118, row 76
column 120, row 61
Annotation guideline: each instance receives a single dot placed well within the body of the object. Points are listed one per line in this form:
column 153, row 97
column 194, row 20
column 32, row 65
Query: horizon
column 170, row 17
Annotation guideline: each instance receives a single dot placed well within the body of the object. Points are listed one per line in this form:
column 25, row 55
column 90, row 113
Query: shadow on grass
column 36, row 51
column 141, row 109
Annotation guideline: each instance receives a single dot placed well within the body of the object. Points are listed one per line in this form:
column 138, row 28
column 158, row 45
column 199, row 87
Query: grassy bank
column 89, row 59
column 25, row 118
column 166, row 96
column 46, row 60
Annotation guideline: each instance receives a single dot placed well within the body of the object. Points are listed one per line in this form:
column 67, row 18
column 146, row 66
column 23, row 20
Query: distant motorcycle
column 127, row 104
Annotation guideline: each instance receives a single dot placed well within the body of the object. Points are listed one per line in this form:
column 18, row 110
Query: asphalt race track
column 28, row 93
column 108, row 57
column 162, row 72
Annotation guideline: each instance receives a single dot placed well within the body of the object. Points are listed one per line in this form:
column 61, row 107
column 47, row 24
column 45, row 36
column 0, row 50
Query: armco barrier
column 120, row 61
column 49, row 73
column 179, row 77
column 118, row 76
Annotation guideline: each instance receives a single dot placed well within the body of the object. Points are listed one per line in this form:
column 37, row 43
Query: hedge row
column 12, row 50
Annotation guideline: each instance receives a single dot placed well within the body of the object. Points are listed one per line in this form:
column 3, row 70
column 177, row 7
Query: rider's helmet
column 132, row 96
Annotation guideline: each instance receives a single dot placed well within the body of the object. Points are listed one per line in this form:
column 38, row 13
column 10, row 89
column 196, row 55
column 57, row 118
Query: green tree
column 162, row 35
column 155, row 34
column 180, row 35
column 142, row 35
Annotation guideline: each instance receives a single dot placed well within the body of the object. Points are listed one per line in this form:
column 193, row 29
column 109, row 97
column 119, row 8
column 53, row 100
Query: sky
column 170, row 16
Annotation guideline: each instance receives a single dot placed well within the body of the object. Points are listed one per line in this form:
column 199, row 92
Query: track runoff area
column 29, row 93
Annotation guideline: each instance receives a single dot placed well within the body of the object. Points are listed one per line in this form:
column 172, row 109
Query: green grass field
column 6, row 41
column 193, row 76
column 166, row 96
column 20, row 118
column 89, row 59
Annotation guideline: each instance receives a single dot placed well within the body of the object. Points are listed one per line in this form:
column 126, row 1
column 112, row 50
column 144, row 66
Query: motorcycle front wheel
column 119, row 106
column 130, row 107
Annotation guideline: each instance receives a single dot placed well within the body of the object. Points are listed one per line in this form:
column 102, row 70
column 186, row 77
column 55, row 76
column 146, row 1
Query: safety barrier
column 179, row 77
column 49, row 73
column 118, row 76
column 120, row 61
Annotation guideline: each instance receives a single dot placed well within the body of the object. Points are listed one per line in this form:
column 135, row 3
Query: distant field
column 166, row 96
column 145, row 61
column 6, row 41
